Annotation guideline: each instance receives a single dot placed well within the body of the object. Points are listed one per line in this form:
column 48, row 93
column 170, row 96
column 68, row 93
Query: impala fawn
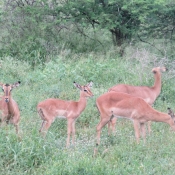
column 51, row 108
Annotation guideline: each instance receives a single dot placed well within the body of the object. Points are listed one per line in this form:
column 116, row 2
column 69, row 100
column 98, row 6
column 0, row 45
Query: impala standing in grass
column 9, row 108
column 114, row 104
column 55, row 108
column 149, row 94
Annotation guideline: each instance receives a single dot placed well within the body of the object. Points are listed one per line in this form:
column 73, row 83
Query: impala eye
column 85, row 90
column 154, row 72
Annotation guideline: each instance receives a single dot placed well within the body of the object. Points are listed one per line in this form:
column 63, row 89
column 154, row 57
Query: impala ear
column 16, row 84
column 77, row 85
column 171, row 113
column 1, row 84
column 90, row 84
column 163, row 69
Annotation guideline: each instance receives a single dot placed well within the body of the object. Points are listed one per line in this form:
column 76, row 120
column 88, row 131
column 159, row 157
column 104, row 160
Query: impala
column 149, row 94
column 9, row 108
column 70, row 110
column 114, row 104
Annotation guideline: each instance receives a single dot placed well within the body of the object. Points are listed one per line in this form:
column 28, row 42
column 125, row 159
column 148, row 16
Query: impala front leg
column 137, row 130
column 109, row 127
column 69, row 131
column 113, row 123
column 102, row 123
column 73, row 132
column 15, row 121
column 3, row 123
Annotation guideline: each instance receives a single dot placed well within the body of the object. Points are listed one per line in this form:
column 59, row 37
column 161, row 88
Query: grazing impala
column 70, row 110
column 113, row 104
column 149, row 94
column 8, row 107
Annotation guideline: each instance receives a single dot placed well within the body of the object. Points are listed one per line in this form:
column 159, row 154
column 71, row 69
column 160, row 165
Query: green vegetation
column 47, row 45
column 35, row 155
column 36, row 30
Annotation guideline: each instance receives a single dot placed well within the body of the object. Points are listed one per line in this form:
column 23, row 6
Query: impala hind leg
column 17, row 131
column 149, row 127
column 45, row 122
column 44, row 127
column 143, row 131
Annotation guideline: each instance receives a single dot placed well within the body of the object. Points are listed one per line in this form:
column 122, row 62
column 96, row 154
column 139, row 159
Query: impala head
column 7, row 89
column 159, row 69
column 171, row 113
column 85, row 89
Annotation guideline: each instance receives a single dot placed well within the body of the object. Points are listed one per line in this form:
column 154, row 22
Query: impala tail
column 41, row 114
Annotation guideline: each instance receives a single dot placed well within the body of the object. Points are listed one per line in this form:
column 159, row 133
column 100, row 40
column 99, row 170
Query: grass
column 34, row 155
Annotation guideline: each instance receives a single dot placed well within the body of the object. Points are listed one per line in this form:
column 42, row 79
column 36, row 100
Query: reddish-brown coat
column 149, row 94
column 115, row 104
column 8, row 107
column 51, row 108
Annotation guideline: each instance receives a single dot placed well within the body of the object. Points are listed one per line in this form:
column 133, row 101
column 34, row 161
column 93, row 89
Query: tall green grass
column 34, row 155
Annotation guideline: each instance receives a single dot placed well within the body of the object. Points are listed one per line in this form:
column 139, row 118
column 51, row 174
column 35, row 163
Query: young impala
column 70, row 110
column 149, row 94
column 8, row 107
column 114, row 104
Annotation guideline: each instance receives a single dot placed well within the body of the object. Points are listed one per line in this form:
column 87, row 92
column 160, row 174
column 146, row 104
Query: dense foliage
column 33, row 30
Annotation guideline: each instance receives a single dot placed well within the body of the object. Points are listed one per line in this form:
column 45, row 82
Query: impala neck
column 82, row 102
column 157, row 83
column 160, row 117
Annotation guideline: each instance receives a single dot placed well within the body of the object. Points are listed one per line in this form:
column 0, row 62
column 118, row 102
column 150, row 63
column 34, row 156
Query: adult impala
column 149, row 94
column 70, row 110
column 114, row 104
column 8, row 107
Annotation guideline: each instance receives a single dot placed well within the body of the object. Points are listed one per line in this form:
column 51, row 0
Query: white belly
column 60, row 114
column 123, row 117
column 61, row 117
